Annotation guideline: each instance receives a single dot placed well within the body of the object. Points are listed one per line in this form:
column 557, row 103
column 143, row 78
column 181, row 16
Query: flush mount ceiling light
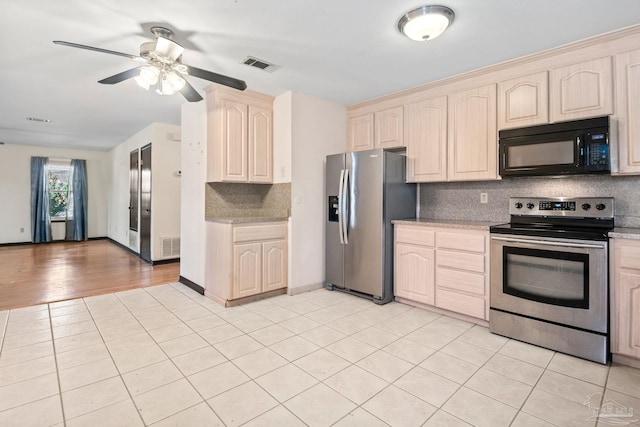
column 426, row 22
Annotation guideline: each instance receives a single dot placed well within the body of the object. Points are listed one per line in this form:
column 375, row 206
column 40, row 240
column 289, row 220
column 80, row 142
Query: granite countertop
column 247, row 219
column 625, row 233
column 472, row 225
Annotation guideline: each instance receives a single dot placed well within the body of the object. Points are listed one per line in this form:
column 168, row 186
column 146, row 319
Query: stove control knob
column 600, row 206
column 518, row 205
column 586, row 206
column 530, row 205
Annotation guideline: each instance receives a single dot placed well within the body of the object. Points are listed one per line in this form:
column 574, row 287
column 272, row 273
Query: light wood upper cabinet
column 379, row 129
column 625, row 297
column 389, row 128
column 260, row 144
column 361, row 132
column 523, row 101
column 581, row 90
column 234, row 140
column 472, row 136
column 426, row 136
column 628, row 111
column 240, row 136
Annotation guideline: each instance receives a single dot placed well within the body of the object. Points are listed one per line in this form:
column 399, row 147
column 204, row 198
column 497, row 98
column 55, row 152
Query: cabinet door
column 247, row 269
column 472, row 135
column 581, row 90
column 426, row 136
column 628, row 317
column 234, row 141
column 523, row 101
column 260, row 144
column 628, row 111
column 274, row 265
column 414, row 273
column 389, row 128
column 361, row 132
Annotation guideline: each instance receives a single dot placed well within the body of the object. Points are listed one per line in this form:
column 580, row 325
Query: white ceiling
column 342, row 50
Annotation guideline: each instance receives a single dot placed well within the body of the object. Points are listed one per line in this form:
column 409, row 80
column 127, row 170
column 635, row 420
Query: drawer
column 461, row 241
column 461, row 261
column 248, row 233
column 471, row 283
column 415, row 235
column 460, row 303
column 629, row 257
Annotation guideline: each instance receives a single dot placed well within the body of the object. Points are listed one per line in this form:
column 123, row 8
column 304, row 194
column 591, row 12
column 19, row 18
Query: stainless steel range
column 549, row 274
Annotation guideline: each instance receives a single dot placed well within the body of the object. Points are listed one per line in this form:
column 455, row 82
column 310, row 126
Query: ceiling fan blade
column 190, row 93
column 120, row 77
column 98, row 49
column 216, row 78
column 166, row 48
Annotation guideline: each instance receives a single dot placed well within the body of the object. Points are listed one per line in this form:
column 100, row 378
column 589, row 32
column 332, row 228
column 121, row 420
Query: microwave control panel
column 597, row 146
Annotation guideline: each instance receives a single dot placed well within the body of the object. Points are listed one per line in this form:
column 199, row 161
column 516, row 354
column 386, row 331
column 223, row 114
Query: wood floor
column 36, row 274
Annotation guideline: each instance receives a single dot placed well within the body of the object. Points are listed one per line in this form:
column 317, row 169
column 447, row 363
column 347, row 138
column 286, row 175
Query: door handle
column 345, row 204
column 340, row 203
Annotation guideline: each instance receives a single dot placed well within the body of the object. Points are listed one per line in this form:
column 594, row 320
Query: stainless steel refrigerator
column 365, row 190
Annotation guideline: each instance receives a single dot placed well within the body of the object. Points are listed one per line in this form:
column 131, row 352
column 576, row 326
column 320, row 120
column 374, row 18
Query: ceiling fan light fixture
column 426, row 22
column 148, row 77
column 169, row 83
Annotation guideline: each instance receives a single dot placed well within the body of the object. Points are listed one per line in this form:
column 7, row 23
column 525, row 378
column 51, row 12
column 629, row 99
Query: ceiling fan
column 163, row 67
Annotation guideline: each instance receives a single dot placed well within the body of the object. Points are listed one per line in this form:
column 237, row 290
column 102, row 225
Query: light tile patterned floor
column 166, row 356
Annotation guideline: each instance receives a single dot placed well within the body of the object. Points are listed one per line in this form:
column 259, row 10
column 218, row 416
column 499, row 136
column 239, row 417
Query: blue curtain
column 40, row 217
column 76, row 225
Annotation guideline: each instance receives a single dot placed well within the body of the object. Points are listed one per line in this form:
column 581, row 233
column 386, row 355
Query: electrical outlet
column 484, row 198
column 22, row 229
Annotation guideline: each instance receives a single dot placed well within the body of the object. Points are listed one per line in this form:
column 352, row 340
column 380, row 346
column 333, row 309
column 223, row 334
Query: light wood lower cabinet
column 443, row 267
column 244, row 260
column 625, row 297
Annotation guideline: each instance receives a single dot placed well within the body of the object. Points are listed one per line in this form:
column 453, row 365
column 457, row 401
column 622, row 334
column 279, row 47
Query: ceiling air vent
column 260, row 63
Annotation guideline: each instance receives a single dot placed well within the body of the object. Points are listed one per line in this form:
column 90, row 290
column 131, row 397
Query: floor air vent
column 260, row 63
column 170, row 247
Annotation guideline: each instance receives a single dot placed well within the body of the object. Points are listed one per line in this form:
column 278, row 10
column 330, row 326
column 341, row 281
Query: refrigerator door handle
column 340, row 206
column 345, row 204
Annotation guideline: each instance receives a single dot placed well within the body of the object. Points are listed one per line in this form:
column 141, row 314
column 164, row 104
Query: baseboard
column 126, row 248
column 304, row 288
column 192, row 285
column 53, row 241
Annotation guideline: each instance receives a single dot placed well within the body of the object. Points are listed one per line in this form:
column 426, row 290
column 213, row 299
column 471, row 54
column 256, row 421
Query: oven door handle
column 548, row 243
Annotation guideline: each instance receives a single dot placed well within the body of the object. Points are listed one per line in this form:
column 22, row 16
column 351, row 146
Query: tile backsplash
column 232, row 200
column 461, row 200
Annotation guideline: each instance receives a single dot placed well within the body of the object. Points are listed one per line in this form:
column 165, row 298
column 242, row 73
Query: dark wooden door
column 145, row 203
column 134, row 185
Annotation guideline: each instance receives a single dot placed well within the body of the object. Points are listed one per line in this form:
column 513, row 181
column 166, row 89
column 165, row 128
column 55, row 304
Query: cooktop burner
column 584, row 218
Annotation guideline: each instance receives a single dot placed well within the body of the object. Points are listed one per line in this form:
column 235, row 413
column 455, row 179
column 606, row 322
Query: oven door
column 562, row 281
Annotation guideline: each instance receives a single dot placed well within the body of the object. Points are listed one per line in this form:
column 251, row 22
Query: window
column 59, row 190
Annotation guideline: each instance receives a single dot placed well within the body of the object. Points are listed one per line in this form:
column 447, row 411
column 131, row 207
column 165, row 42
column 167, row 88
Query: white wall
column 319, row 128
column 192, row 200
column 282, row 138
column 165, row 186
column 15, row 188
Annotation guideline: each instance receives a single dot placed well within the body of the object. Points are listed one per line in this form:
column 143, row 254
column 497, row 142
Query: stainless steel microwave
column 566, row 148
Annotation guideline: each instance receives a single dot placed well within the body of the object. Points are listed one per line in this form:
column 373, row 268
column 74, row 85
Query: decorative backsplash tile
column 461, row 200
column 231, row 200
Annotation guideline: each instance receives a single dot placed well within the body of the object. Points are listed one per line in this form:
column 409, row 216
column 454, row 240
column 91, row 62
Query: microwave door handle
column 340, row 203
column 548, row 243
column 579, row 151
